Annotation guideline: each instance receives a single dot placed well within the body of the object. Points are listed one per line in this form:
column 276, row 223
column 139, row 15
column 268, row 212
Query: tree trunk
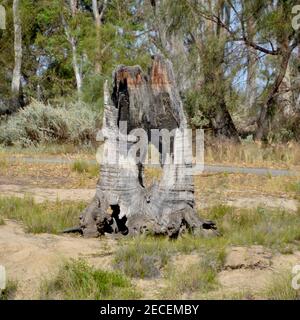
column 285, row 99
column 98, row 16
column 76, row 66
column 72, row 41
column 16, row 78
column 122, row 203
column 264, row 119
column 251, row 90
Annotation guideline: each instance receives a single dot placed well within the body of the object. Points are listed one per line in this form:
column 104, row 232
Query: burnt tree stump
column 122, row 204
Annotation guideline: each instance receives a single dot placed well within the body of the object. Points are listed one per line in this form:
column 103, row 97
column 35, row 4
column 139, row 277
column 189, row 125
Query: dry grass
column 200, row 277
column 50, row 150
column 245, row 184
column 253, row 154
column 280, row 287
column 84, row 167
column 48, row 175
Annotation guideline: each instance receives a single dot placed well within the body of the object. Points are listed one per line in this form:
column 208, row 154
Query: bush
column 39, row 123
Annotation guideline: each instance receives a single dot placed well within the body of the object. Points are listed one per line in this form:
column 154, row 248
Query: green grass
column 143, row 257
column 280, row 287
column 1, row 221
column 293, row 187
column 48, row 217
column 198, row 277
column 276, row 229
column 3, row 164
column 84, row 167
column 9, row 292
column 146, row 256
column 76, row 280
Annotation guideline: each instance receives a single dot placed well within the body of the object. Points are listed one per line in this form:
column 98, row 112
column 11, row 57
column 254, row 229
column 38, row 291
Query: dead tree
column 122, row 203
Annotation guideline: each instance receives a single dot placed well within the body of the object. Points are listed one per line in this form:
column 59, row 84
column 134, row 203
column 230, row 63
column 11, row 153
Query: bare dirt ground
column 30, row 259
column 246, row 199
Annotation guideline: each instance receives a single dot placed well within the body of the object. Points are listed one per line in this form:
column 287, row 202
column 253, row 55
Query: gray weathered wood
column 122, row 203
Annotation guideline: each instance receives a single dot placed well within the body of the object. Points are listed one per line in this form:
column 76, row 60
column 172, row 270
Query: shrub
column 39, row 123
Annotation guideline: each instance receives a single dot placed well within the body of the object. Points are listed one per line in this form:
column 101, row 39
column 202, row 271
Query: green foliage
column 275, row 229
column 39, row 123
column 46, row 217
column 76, row 280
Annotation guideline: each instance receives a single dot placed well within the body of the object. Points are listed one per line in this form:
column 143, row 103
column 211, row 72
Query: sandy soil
column 31, row 258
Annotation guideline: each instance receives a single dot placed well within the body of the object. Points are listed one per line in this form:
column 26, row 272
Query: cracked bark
column 122, row 204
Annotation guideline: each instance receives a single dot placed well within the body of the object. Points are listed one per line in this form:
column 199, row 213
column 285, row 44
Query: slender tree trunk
column 298, row 81
column 98, row 15
column 72, row 41
column 16, row 78
column 265, row 114
column 251, row 90
column 76, row 66
column 285, row 100
column 221, row 121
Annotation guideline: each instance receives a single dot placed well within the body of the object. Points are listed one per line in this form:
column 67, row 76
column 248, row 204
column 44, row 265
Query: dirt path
column 47, row 194
column 207, row 168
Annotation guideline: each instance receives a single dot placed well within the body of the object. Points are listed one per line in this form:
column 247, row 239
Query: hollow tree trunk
column 122, row 203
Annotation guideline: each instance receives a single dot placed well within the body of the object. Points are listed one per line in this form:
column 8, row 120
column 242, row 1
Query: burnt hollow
column 121, row 223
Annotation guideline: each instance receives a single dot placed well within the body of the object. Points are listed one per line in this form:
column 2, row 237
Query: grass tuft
column 197, row 277
column 280, row 287
column 143, row 257
column 46, row 217
column 76, row 280
column 276, row 229
column 83, row 167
